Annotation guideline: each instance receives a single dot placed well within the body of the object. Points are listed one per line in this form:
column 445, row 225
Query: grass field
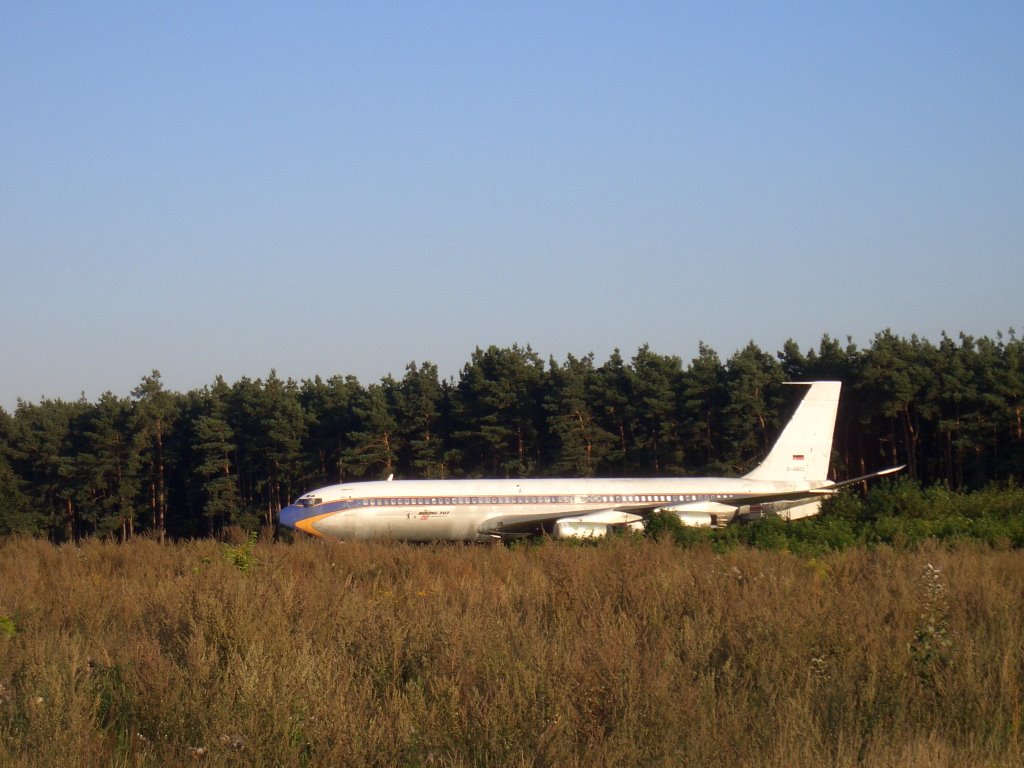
column 631, row 652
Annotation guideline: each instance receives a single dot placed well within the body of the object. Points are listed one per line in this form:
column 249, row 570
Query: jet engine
column 595, row 525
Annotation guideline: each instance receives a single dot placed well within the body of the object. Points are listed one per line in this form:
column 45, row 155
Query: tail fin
column 803, row 450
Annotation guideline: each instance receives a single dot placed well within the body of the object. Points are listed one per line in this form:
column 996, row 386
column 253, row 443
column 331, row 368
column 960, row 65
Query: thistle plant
column 932, row 643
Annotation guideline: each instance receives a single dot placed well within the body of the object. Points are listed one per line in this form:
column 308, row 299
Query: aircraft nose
column 291, row 515
column 302, row 518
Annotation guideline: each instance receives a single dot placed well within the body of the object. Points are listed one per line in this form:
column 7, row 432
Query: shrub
column 242, row 556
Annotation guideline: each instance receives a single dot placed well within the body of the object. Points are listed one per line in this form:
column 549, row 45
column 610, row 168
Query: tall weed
column 630, row 652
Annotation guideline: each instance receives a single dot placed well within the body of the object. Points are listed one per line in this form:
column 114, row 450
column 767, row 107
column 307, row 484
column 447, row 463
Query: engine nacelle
column 704, row 514
column 579, row 529
column 595, row 525
column 801, row 510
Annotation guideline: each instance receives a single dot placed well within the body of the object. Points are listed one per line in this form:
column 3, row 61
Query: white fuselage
column 457, row 510
column 474, row 510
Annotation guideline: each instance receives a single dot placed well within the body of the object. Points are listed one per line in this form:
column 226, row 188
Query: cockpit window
column 308, row 502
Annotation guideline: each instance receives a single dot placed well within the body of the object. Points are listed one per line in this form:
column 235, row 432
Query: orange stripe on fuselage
column 306, row 524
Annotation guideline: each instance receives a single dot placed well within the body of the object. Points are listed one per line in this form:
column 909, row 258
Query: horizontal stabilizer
column 810, row 493
column 862, row 478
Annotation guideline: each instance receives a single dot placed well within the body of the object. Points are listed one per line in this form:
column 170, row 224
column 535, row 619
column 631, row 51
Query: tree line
column 189, row 464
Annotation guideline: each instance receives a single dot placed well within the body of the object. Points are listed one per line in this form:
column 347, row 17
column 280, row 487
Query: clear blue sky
column 320, row 188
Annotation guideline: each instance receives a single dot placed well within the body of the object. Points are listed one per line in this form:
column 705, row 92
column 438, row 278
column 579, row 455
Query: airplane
column 791, row 482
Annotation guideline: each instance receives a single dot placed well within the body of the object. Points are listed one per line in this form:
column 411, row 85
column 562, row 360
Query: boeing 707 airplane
column 791, row 482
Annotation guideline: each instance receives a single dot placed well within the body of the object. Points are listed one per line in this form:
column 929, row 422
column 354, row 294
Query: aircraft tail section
column 803, row 450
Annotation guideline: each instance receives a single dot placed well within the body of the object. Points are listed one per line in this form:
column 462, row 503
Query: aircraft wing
column 521, row 526
column 517, row 526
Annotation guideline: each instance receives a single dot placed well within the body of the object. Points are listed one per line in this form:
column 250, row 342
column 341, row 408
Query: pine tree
column 329, row 411
column 375, row 442
column 656, row 382
column 702, row 400
column 16, row 514
column 214, row 449
column 281, row 425
column 41, row 454
column 896, row 372
column 750, row 418
column 418, row 402
column 104, row 470
column 582, row 445
column 499, row 405
column 155, row 411
column 613, row 404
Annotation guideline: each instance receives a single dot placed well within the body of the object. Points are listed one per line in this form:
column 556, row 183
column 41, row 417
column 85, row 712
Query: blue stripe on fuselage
column 294, row 514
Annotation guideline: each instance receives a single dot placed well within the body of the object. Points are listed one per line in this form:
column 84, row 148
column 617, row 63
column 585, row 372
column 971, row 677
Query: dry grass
column 628, row 653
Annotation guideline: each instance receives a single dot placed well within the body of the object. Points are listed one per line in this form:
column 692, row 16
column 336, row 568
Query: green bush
column 242, row 556
column 666, row 526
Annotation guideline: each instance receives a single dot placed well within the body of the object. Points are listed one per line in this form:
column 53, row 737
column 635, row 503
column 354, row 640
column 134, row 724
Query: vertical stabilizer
column 803, row 450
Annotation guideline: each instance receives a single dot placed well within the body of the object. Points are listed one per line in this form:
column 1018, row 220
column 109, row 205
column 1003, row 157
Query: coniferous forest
column 233, row 453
